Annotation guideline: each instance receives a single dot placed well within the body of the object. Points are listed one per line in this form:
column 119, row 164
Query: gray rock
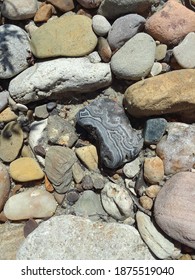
column 4, row 185
column 77, row 172
column 81, row 239
column 59, row 76
column 4, row 95
column 123, row 29
column 14, row 50
column 154, row 130
column 118, row 141
column 134, row 60
column 161, row 51
column 58, row 164
column 41, row 111
column 100, row 25
column 131, row 169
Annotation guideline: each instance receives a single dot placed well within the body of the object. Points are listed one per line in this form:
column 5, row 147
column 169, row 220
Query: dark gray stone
column 154, row 130
column 106, row 121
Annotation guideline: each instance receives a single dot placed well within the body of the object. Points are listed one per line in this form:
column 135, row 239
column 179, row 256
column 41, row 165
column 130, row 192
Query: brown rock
column 4, row 185
column 153, row 170
column 7, row 115
column 174, row 208
column 88, row 4
column 43, row 13
column 152, row 191
column 104, row 49
column 63, row 5
column 171, row 23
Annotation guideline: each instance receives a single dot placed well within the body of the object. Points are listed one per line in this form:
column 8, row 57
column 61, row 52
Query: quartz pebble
column 88, row 155
column 4, row 185
column 153, row 170
column 156, row 69
column 101, row 25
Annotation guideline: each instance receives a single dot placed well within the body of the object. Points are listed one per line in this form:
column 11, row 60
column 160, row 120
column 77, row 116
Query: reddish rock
column 63, row 5
column 171, row 24
column 153, row 170
column 4, row 185
column 43, row 13
column 174, row 208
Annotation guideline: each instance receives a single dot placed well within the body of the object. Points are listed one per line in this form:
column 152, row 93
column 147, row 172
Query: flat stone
column 7, row 115
column 167, row 93
column 104, row 49
column 11, row 141
column 171, row 24
column 77, row 172
column 4, row 185
column 100, row 25
column 177, row 155
column 174, row 208
column 118, row 141
column 41, row 111
column 95, row 240
column 88, row 4
column 31, row 203
column 154, row 130
column 157, row 243
column 123, row 29
column 25, row 169
column 131, row 169
column 153, row 170
column 62, row 5
column 19, row 9
column 134, row 60
column 71, row 75
column 44, row 13
column 65, row 36
column 88, row 155
column 14, row 50
column 4, row 95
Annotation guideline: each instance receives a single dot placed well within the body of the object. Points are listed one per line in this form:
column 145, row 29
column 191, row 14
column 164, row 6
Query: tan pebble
column 26, row 151
column 116, row 176
column 161, row 50
column 7, row 115
column 48, row 186
column 88, row 155
column 43, row 13
column 77, row 172
column 152, row 191
column 146, row 202
column 153, row 170
column 185, row 257
column 104, row 49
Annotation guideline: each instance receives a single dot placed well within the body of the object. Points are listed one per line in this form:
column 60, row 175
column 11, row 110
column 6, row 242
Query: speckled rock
column 117, row 140
column 154, row 130
column 62, row 5
column 174, row 208
column 101, row 25
column 4, row 185
column 89, row 156
column 153, row 170
column 135, row 58
column 95, row 240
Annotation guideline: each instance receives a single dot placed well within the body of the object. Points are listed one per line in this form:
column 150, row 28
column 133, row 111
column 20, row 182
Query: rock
column 98, row 181
column 174, row 208
column 88, row 155
column 161, row 51
column 153, row 170
column 71, row 75
column 19, row 9
column 14, row 50
column 171, row 24
column 158, row 244
column 27, row 152
column 25, row 169
column 62, row 5
column 154, row 130
column 61, row 132
column 177, row 148
column 32, row 203
column 4, row 185
column 134, row 60
column 118, row 141
column 11, row 141
column 65, row 36
column 88, row 4
column 41, row 112
column 110, row 241
column 58, row 164
column 44, row 13
column 77, row 172
column 116, row 201
column 104, row 49
column 4, row 95
column 72, row 196
column 100, row 25
column 123, row 29
column 131, row 169
column 87, row 182
column 146, row 202
column 112, row 9
column 150, row 98
column 156, row 69
column 7, row 115
column 31, row 27
column 51, row 105
column 89, row 206
column 184, row 53
column 94, row 57
column 152, row 191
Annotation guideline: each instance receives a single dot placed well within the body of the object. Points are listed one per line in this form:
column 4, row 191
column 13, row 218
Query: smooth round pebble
column 100, row 25
column 104, row 49
column 153, row 170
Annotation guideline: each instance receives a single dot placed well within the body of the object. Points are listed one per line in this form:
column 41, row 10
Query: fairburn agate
column 106, row 121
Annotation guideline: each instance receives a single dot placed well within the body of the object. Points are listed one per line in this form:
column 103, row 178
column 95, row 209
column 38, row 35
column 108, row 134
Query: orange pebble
column 48, row 186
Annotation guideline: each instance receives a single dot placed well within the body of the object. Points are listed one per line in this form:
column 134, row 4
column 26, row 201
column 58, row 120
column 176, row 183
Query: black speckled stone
column 154, row 130
column 106, row 121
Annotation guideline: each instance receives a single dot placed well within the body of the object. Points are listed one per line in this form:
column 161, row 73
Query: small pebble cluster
column 97, row 129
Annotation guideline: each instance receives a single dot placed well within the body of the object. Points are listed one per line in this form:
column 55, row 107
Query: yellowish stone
column 88, row 155
column 7, row 115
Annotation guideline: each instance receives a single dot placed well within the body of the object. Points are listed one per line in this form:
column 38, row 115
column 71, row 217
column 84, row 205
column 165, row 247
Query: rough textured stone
column 65, row 36
column 88, row 4
column 101, row 25
column 14, row 50
column 154, row 130
column 59, row 76
column 135, row 58
column 62, row 5
column 95, row 240
column 167, row 93
column 117, row 140
column 174, row 208
column 88, row 155
column 172, row 23
column 153, row 170
column 4, row 185
column 44, row 13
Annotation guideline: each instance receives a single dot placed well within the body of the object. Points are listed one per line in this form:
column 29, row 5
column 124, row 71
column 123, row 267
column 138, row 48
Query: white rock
column 100, row 25
column 132, row 168
column 59, row 76
column 156, row 69
column 33, row 203
column 116, row 201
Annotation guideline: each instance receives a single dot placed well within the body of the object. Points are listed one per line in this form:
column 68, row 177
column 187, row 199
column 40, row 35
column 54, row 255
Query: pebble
column 104, row 49
column 134, row 60
column 19, row 9
column 72, row 196
column 177, row 148
column 131, row 169
column 184, row 53
column 156, row 69
column 94, row 57
column 88, row 155
column 26, row 86
column 154, row 130
column 58, row 163
column 51, row 105
column 174, row 208
column 88, row 4
column 4, row 185
column 14, row 50
column 48, row 186
column 152, row 191
column 21, row 107
column 156, row 241
column 106, row 116
column 44, row 13
column 65, row 36
column 153, row 170
column 11, row 141
column 161, row 51
column 171, row 24
column 98, row 181
column 30, row 27
column 116, row 201
column 41, row 111
column 123, row 29
column 77, row 232
column 7, row 115
column 87, row 182
column 62, row 5
column 61, row 132
column 32, row 203
column 3, row 100
column 27, row 152
column 25, row 169
column 77, row 172
column 100, row 25
column 146, row 202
